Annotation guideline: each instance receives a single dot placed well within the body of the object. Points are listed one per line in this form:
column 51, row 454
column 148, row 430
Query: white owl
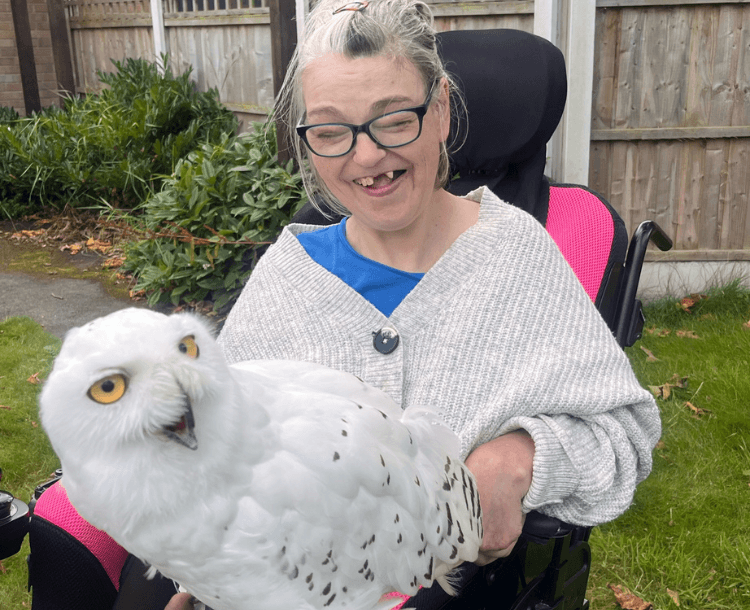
column 264, row 484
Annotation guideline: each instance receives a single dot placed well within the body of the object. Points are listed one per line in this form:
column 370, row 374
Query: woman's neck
column 418, row 246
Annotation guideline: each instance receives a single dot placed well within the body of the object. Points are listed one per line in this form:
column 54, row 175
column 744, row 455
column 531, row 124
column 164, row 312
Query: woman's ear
column 443, row 106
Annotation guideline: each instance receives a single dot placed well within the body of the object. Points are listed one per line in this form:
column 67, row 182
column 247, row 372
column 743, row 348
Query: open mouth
column 183, row 430
column 380, row 180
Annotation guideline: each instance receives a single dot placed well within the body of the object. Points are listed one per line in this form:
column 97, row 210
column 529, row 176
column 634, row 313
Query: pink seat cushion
column 54, row 506
column 583, row 229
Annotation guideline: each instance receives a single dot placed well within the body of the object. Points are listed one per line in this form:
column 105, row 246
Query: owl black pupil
column 183, row 348
column 108, row 386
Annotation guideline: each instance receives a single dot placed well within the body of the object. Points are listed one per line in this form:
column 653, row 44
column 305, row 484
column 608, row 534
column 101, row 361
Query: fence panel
column 228, row 44
column 671, row 121
column 102, row 30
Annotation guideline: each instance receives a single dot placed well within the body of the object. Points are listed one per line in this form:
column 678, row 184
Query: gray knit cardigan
column 498, row 335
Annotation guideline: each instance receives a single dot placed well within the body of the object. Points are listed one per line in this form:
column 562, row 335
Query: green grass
column 688, row 530
column 25, row 454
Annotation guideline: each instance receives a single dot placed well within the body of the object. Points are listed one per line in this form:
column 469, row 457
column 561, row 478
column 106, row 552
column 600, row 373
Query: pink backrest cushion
column 54, row 506
column 583, row 229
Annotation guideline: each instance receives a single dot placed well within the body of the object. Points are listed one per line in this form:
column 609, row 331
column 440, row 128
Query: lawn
column 685, row 541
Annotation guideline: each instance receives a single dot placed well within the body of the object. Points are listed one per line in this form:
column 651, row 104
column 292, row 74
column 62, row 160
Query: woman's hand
column 502, row 469
column 181, row 601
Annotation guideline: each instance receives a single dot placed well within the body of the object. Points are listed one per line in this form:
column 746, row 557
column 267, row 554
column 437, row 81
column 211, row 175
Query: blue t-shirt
column 384, row 286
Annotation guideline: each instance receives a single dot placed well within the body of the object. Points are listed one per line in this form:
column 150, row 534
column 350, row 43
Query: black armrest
column 629, row 319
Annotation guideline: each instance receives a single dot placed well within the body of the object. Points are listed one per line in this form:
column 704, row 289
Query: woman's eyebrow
column 331, row 112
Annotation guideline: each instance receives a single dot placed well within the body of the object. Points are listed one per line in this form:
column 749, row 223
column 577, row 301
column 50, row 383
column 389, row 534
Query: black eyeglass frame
column 420, row 111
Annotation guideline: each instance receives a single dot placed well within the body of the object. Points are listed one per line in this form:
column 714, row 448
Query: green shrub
column 214, row 216
column 8, row 115
column 110, row 149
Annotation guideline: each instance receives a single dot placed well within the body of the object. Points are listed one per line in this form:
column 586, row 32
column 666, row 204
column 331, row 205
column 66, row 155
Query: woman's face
column 385, row 189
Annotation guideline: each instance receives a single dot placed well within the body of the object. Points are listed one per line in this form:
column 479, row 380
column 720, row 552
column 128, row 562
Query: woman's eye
column 396, row 122
column 328, row 134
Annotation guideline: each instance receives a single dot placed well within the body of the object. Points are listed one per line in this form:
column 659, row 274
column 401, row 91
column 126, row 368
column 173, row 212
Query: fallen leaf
column 115, row 261
column 664, row 391
column 26, row 233
column 73, row 248
column 4, row 407
column 688, row 302
column 98, row 245
column 2, row 568
column 746, row 325
column 34, row 379
column 650, row 356
column 34, row 424
column 661, row 391
column 675, row 596
column 628, row 601
column 660, row 444
column 697, row 411
column 658, row 332
column 689, row 334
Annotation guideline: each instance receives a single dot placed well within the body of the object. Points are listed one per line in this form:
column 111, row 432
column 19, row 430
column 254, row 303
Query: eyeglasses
column 390, row 130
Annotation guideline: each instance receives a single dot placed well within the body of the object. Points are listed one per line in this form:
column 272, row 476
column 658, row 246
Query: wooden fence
column 670, row 133
column 227, row 42
column 671, row 121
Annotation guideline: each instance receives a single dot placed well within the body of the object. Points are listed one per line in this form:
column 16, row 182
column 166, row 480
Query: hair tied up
column 352, row 6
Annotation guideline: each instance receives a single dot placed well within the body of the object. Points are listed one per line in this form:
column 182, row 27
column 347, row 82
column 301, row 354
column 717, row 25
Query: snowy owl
column 264, row 484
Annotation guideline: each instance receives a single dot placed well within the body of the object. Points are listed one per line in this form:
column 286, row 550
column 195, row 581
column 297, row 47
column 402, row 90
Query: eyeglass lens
column 391, row 130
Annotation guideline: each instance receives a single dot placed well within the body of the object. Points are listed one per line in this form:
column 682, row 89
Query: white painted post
column 301, row 9
column 159, row 33
column 546, row 25
column 545, row 19
column 570, row 26
column 576, row 142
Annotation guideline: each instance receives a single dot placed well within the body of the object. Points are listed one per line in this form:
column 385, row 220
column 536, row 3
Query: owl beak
column 184, row 430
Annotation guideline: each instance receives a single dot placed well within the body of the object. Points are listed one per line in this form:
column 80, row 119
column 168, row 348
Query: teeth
column 370, row 180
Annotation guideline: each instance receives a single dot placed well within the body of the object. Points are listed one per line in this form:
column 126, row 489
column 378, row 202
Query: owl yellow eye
column 108, row 390
column 189, row 347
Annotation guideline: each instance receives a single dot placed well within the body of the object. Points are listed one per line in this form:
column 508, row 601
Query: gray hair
column 402, row 29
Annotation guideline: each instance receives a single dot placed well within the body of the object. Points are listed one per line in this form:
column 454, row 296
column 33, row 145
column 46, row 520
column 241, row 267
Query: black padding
column 138, row 592
column 63, row 573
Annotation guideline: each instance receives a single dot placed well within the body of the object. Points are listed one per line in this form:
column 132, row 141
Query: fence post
column 581, row 28
column 283, row 42
column 570, row 26
column 25, row 47
column 160, row 38
column 58, row 29
column 547, row 25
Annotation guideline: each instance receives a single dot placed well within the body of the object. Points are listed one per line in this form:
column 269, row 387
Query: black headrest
column 514, row 85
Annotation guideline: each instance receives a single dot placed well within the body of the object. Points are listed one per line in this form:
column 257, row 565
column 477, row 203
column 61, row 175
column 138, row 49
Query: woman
column 464, row 304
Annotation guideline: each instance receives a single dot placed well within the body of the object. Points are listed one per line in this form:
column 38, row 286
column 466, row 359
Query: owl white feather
column 265, row 484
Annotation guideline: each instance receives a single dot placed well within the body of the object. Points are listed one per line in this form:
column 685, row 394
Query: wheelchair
column 514, row 85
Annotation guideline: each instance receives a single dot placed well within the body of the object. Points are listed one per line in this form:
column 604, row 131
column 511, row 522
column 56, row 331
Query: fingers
column 180, row 601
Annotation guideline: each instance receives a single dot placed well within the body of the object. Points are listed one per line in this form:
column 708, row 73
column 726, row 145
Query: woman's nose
column 366, row 151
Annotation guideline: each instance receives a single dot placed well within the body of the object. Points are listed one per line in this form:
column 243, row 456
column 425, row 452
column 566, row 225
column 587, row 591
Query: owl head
column 134, row 381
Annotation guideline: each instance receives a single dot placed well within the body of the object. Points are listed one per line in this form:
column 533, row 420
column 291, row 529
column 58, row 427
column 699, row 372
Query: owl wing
column 367, row 498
